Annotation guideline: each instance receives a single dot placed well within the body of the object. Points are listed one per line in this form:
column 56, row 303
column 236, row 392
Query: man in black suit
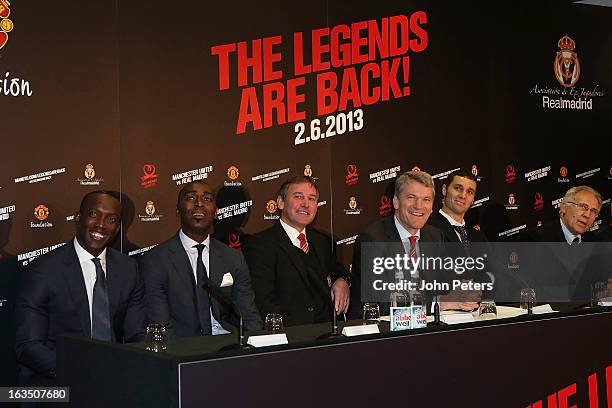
column 567, row 269
column 413, row 202
column 84, row 287
column 293, row 267
column 195, row 284
column 458, row 194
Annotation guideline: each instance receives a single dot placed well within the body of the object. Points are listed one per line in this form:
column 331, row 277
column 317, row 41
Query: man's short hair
column 421, row 177
column 296, row 180
column 461, row 173
column 115, row 194
column 571, row 193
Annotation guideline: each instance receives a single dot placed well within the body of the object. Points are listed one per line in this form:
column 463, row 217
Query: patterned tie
column 202, row 295
column 100, row 320
column 303, row 242
column 464, row 238
column 576, row 241
column 413, row 247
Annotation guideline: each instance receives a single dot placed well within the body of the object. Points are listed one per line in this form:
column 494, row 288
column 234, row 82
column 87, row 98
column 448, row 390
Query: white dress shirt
column 569, row 237
column 453, row 222
column 89, row 271
column 292, row 233
column 192, row 254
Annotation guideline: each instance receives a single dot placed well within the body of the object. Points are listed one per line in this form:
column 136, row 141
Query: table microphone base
column 330, row 336
column 434, row 323
column 236, row 346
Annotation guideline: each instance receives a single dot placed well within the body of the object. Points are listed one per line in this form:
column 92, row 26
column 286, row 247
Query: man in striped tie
column 293, row 268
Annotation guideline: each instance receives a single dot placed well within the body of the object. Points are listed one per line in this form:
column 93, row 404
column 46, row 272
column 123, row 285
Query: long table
column 504, row 363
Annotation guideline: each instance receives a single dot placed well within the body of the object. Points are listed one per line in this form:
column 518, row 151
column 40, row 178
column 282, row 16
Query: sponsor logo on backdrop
column 90, row 176
column 5, row 212
column 308, row 170
column 385, row 209
column 150, row 213
column 596, row 225
column 385, row 174
column 232, row 174
column 480, row 202
column 149, row 178
column 511, row 202
column 347, row 241
column 588, row 173
column 271, row 209
column 236, row 209
column 41, row 213
column 538, row 202
column 555, row 203
column 513, row 258
column 271, row 175
column 14, row 86
column 321, row 203
column 70, row 217
column 42, row 176
column 510, row 174
column 234, row 241
column 141, row 250
column 567, row 65
column 563, row 172
column 352, row 175
column 29, row 256
column 476, row 227
column 352, row 207
column 539, row 223
column 444, row 174
column 188, row 176
column 6, row 25
column 537, row 174
column 566, row 71
column 512, row 231
column 474, row 171
column 416, row 169
column 610, row 173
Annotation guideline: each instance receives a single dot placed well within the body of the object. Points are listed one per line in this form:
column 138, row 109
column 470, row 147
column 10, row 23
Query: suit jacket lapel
column 215, row 262
column 76, row 287
column 288, row 248
column 319, row 249
column 180, row 262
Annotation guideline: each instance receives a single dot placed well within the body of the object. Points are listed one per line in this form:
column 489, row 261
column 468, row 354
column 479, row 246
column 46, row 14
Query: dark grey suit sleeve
column 155, row 280
column 32, row 319
column 244, row 296
column 135, row 317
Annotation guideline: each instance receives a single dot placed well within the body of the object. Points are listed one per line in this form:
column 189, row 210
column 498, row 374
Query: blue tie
column 100, row 321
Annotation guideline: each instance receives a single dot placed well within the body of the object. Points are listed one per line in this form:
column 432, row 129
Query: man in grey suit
column 195, row 284
column 413, row 202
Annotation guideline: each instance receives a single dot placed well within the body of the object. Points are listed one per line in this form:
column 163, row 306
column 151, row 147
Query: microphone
column 334, row 334
column 216, row 292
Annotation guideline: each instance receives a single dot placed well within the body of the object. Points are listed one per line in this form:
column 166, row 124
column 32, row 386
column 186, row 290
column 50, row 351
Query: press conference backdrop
column 144, row 96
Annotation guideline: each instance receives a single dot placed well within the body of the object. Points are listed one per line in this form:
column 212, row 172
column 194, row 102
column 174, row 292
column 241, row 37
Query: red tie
column 303, row 242
column 413, row 251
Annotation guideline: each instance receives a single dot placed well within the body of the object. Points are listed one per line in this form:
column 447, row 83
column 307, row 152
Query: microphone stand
column 217, row 293
column 437, row 321
column 334, row 334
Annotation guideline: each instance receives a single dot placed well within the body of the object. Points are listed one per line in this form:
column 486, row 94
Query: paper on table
column 350, row 331
column 607, row 301
column 453, row 317
column 542, row 309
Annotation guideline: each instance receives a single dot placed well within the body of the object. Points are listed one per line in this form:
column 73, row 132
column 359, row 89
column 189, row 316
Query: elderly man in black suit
column 84, row 287
column 413, row 203
column 195, row 284
column 294, row 269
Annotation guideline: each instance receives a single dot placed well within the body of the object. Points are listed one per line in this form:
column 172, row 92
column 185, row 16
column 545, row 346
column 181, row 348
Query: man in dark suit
column 195, row 284
column 567, row 269
column 84, row 287
column 413, row 202
column 458, row 194
column 293, row 267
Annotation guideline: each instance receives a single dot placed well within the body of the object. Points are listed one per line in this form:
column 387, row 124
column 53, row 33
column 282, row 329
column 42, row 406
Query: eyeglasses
column 585, row 207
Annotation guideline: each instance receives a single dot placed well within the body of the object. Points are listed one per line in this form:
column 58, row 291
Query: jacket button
column 311, row 309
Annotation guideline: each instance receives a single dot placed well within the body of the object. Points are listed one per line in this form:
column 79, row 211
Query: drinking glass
column 487, row 310
column 371, row 313
column 528, row 298
column 274, row 322
column 156, row 337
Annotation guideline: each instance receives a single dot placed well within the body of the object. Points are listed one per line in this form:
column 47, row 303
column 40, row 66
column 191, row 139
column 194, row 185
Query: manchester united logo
column 41, row 212
column 271, row 206
column 232, row 172
column 563, row 171
column 416, row 169
column 90, row 172
column 566, row 65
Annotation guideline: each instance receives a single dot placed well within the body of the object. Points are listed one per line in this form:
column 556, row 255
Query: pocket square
column 227, row 280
